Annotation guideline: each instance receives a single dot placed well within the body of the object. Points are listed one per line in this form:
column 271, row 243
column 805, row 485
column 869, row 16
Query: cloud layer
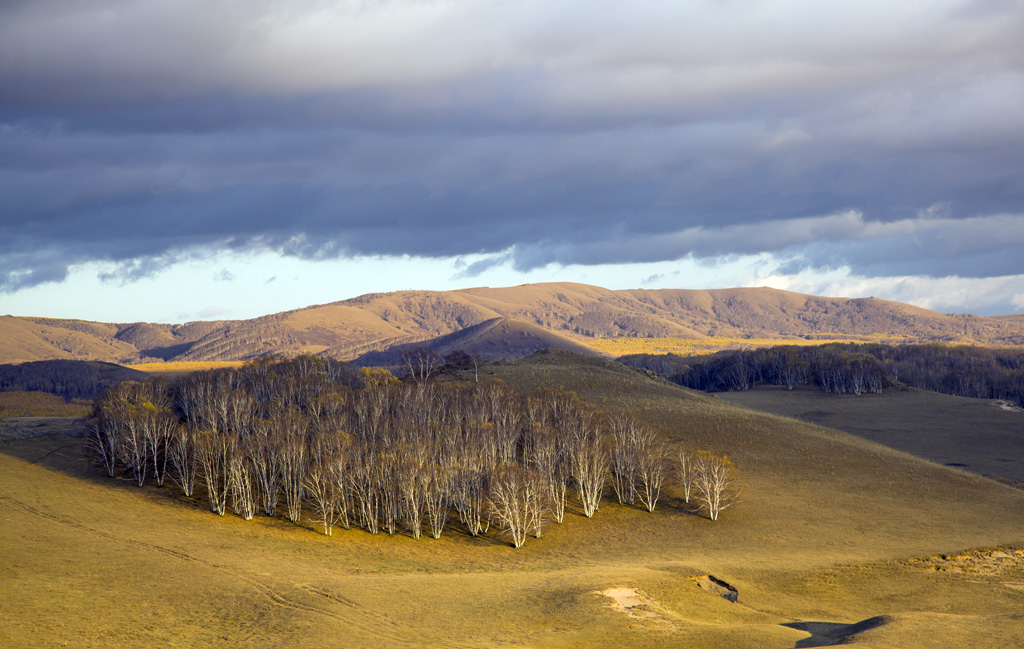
column 884, row 137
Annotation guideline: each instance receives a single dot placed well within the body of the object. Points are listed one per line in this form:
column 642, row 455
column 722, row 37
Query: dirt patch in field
column 1006, row 405
column 995, row 562
column 629, row 601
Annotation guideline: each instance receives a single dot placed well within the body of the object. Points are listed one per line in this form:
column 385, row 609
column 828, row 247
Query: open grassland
column 34, row 403
column 173, row 368
column 978, row 435
column 835, row 537
column 616, row 347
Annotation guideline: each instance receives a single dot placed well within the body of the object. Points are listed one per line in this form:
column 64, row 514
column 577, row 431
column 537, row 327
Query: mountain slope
column 577, row 312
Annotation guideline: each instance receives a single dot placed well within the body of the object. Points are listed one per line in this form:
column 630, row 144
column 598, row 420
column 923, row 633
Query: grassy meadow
column 835, row 537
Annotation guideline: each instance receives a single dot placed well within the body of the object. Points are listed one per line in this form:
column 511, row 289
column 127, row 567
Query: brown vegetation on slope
column 579, row 312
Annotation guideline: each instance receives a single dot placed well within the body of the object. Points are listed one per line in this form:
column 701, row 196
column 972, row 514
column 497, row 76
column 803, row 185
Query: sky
column 176, row 160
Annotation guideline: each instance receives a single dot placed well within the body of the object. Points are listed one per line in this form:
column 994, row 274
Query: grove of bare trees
column 292, row 438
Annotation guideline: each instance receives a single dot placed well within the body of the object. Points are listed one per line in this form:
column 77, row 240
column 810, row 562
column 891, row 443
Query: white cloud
column 176, row 292
column 582, row 55
column 987, row 296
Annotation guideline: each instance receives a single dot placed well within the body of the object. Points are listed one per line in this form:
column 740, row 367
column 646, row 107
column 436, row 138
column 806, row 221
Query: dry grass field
column 835, row 539
column 175, row 368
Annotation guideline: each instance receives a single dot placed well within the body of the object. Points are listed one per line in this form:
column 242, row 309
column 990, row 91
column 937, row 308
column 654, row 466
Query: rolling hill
column 66, row 379
column 492, row 339
column 836, row 540
column 573, row 313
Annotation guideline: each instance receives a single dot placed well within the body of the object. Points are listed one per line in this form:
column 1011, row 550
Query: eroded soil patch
column 629, row 601
column 716, row 586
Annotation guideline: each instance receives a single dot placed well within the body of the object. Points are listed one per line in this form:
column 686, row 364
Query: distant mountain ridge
column 568, row 315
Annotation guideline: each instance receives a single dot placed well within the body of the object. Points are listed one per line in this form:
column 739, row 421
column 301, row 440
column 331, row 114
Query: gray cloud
column 570, row 132
column 972, row 247
column 136, row 269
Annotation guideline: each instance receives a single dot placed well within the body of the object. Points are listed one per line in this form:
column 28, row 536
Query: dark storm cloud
column 571, row 132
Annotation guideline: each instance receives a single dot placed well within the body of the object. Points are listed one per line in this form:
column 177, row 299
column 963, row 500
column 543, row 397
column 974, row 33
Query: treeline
column 388, row 456
column 960, row 370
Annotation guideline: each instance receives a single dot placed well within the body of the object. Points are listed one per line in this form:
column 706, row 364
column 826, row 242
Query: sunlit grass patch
column 181, row 367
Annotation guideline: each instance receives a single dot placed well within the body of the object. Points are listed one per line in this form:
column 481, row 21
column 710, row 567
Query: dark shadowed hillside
column 492, row 339
column 67, row 379
column 574, row 312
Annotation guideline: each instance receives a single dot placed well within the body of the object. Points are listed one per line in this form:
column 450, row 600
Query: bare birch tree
column 625, row 432
column 132, row 449
column 412, row 482
column 158, row 424
column 214, row 450
column 587, row 460
column 322, row 492
column 387, row 485
column 421, row 363
column 550, row 465
column 294, row 459
column 104, row 430
column 514, row 501
column 339, row 465
column 265, row 456
column 437, row 495
column 243, row 480
column 651, row 470
column 363, row 483
column 470, row 493
column 685, row 461
column 715, row 485
column 181, row 450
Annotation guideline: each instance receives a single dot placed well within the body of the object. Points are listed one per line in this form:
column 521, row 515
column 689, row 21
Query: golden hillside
column 576, row 312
